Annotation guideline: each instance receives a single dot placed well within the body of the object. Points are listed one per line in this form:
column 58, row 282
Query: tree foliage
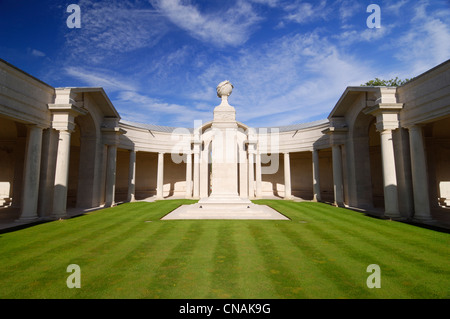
column 391, row 82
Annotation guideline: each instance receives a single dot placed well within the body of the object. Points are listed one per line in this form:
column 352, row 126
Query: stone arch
column 363, row 195
column 84, row 169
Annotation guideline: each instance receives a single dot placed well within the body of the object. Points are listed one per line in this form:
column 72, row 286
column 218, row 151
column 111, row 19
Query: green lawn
column 127, row 252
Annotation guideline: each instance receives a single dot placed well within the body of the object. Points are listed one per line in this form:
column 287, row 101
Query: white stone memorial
column 224, row 201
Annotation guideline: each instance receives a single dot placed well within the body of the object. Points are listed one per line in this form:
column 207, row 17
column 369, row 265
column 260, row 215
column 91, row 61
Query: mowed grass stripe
column 138, row 266
column 225, row 275
column 39, row 234
column 68, row 232
column 76, row 238
column 361, row 246
column 79, row 245
column 285, row 278
column 92, row 257
column 391, row 242
column 254, row 280
column 165, row 277
column 322, row 252
column 106, row 275
column 331, row 264
column 373, row 225
column 394, row 235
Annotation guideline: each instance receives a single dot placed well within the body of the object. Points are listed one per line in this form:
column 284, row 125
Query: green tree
column 391, row 82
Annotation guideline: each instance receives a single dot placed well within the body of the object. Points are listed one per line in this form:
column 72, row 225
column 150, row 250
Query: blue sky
column 160, row 61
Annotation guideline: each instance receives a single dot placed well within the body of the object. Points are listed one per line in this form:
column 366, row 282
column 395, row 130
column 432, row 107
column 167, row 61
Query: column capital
column 337, row 134
column 385, row 131
column 386, row 115
column 36, row 125
column 414, row 127
column 63, row 115
column 111, row 135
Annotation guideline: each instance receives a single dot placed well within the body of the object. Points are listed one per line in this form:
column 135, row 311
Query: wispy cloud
column 106, row 79
column 137, row 107
column 111, row 28
column 286, row 79
column 304, row 12
column 394, row 6
column 226, row 27
column 427, row 42
column 350, row 37
column 37, row 53
column 302, row 75
column 132, row 104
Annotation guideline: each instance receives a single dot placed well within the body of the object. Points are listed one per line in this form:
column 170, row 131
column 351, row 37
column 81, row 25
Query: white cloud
column 348, row 8
column 302, row 75
column 37, row 53
column 305, row 12
column 426, row 43
column 349, row 37
column 136, row 107
column 227, row 27
column 270, row 3
column 110, row 28
column 393, row 7
column 105, row 79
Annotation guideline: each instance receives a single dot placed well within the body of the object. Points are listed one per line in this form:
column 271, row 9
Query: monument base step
column 224, row 211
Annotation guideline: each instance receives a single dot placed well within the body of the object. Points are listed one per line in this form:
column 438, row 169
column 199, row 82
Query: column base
column 393, row 215
column 27, row 219
column 423, row 220
column 396, row 218
column 59, row 217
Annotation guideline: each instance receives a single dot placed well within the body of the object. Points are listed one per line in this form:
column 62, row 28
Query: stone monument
column 224, row 201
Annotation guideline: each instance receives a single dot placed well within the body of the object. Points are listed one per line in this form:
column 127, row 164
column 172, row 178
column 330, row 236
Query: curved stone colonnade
column 380, row 149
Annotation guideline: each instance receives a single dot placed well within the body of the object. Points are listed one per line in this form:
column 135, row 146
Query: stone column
column 160, row 177
column 47, row 174
column 204, row 173
column 61, row 175
column 287, row 177
column 243, row 173
column 387, row 121
column 337, row 175
column 389, row 175
column 19, row 167
column 251, row 173
column 31, row 174
column 111, row 176
column 132, row 177
column 419, row 175
column 189, row 175
column 63, row 120
column 196, row 175
column 258, row 176
column 316, row 175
